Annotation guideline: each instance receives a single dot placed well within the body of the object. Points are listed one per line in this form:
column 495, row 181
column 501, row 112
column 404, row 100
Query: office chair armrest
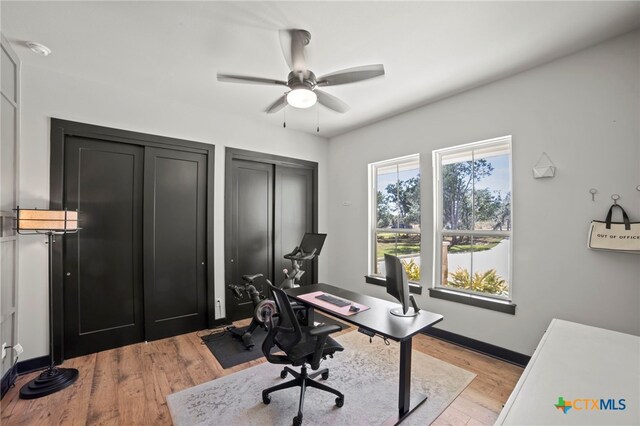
column 321, row 333
column 324, row 330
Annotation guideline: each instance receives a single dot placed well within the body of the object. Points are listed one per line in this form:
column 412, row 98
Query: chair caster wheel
column 266, row 399
column 297, row 420
column 283, row 374
column 325, row 375
column 339, row 402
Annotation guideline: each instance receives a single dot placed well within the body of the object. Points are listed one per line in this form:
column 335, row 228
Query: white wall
column 584, row 111
column 46, row 94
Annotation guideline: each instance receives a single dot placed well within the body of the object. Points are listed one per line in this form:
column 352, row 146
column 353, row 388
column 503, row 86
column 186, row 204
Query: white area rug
column 367, row 374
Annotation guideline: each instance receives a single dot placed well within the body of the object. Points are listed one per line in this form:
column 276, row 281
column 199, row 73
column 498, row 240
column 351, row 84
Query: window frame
column 439, row 232
column 373, row 215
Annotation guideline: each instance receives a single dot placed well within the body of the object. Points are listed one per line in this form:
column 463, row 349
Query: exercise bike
column 308, row 249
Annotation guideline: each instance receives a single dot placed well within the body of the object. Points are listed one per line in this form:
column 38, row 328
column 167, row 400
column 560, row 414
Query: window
column 473, row 218
column 395, row 214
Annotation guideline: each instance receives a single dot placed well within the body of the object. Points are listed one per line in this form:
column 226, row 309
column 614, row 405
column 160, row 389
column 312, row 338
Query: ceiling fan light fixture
column 302, row 98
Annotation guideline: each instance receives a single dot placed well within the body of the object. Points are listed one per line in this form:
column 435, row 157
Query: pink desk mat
column 344, row 310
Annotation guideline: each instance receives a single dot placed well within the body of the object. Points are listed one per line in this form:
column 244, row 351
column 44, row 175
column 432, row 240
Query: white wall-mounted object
column 544, row 168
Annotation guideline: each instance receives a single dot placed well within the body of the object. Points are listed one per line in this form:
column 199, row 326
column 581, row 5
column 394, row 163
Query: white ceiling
column 430, row 49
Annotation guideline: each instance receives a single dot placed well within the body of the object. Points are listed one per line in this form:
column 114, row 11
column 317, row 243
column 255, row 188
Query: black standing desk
column 379, row 320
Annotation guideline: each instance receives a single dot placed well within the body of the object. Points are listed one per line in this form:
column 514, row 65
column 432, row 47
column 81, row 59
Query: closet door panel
column 250, row 235
column 103, row 300
column 293, row 216
column 174, row 251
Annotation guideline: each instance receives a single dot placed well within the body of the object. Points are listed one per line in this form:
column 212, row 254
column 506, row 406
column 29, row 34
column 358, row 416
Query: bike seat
column 251, row 278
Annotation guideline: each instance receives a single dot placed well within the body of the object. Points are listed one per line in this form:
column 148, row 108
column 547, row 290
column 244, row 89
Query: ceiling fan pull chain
column 318, row 117
column 284, row 113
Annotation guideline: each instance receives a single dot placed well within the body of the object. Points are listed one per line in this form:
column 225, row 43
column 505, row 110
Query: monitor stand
column 399, row 312
column 411, row 312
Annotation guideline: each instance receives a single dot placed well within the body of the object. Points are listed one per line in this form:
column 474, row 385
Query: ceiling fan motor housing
column 295, row 82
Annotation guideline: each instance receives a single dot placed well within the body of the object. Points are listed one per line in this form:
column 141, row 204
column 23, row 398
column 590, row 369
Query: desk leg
column 404, row 388
column 406, row 404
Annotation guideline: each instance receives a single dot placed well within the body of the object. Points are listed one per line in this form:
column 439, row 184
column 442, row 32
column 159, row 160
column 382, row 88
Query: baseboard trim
column 33, row 364
column 220, row 322
column 8, row 380
column 503, row 354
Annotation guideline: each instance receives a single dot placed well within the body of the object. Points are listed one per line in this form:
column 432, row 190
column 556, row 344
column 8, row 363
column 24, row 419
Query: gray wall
column 584, row 111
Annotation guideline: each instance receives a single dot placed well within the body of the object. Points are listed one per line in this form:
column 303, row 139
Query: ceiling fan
column 302, row 83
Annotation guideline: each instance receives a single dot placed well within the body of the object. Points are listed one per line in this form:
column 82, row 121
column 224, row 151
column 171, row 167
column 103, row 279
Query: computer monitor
column 398, row 287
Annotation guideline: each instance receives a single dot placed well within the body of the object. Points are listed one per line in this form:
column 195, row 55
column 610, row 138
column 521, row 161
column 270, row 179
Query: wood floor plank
column 155, row 388
column 129, row 385
column 482, row 399
column 474, row 410
column 103, row 404
column 451, row 417
column 76, row 405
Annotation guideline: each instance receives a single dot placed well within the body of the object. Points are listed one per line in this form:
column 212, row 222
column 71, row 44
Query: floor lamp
column 49, row 223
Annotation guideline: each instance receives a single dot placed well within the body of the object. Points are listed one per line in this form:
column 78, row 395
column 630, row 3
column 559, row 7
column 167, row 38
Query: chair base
column 302, row 379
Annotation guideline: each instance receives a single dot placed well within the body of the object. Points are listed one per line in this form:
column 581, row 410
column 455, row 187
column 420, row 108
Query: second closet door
column 269, row 208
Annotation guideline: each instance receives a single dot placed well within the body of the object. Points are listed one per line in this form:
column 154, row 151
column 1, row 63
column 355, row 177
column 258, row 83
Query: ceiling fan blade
column 351, row 75
column 280, row 103
column 331, row 101
column 229, row 78
column 293, row 43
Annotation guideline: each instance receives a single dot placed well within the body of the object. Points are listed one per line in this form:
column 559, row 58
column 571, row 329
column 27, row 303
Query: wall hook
column 615, row 198
column 593, row 193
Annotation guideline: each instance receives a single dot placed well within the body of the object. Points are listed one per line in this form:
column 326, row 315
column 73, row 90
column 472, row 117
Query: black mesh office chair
column 301, row 346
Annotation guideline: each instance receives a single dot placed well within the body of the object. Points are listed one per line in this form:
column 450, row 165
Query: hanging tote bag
column 618, row 236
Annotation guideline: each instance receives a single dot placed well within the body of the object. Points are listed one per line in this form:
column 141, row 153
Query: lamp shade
column 47, row 220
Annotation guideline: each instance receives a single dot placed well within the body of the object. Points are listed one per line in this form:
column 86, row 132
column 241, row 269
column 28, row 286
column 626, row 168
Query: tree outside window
column 473, row 223
column 396, row 214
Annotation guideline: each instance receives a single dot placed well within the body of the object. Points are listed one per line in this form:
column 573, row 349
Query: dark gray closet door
column 250, row 207
column 174, row 242
column 103, row 300
column 293, row 217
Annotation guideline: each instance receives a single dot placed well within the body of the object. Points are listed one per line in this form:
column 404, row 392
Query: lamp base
column 49, row 381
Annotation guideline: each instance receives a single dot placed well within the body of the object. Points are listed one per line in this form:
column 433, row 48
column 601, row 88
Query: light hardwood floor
column 129, row 385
